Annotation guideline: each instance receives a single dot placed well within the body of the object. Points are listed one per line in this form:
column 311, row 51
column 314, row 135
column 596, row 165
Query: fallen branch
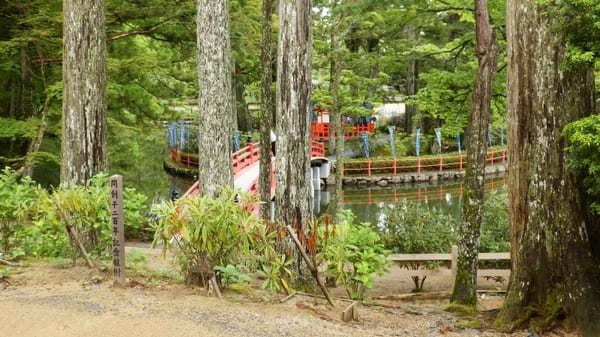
column 215, row 286
column 8, row 263
column 311, row 267
column 287, row 298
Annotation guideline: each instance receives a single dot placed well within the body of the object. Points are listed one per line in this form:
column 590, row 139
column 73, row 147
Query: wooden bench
column 452, row 257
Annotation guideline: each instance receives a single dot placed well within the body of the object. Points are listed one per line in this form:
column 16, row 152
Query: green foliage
column 16, row 198
column 230, row 274
column 417, row 229
column 584, row 152
column 87, row 208
column 210, row 232
column 495, row 226
column 276, row 272
column 354, row 254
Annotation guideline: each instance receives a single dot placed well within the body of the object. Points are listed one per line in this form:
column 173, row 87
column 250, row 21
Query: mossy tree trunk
column 267, row 109
column 215, row 96
column 294, row 197
column 554, row 274
column 465, row 284
column 83, row 145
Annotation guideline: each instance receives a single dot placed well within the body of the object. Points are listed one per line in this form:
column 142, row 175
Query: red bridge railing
column 241, row 160
column 323, row 130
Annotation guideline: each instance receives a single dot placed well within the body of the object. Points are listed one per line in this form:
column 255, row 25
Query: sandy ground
column 42, row 299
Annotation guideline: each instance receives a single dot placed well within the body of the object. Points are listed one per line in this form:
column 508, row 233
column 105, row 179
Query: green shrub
column 495, row 227
column 354, row 254
column 417, row 229
column 584, row 155
column 208, row 232
column 87, row 208
column 16, row 198
column 230, row 274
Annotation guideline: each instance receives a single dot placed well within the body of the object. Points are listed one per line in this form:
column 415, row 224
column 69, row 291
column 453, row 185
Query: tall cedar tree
column 267, row 109
column 84, row 145
column 294, row 198
column 215, row 96
column 554, row 273
column 465, row 285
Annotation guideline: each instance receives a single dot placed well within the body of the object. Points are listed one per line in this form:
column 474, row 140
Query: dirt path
column 43, row 300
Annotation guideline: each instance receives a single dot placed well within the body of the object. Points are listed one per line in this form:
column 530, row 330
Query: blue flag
column 365, row 141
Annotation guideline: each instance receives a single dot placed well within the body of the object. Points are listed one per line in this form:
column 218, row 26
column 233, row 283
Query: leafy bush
column 495, row 227
column 16, row 198
column 208, row 232
column 354, row 254
column 230, row 274
column 416, row 229
column 87, row 209
column 584, row 152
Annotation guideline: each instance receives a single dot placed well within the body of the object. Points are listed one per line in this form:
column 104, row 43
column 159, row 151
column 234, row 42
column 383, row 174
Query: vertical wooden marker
column 118, row 231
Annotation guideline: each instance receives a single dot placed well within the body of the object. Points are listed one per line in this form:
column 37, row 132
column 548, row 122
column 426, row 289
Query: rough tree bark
column 267, row 108
column 215, row 96
column 83, row 145
column 465, row 285
column 554, row 274
column 335, row 116
column 294, row 197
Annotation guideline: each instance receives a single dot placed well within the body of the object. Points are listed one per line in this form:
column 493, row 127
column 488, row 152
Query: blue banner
column 181, row 134
column 458, row 142
column 392, row 141
column 438, row 136
column 236, row 141
column 502, row 137
column 365, row 142
column 418, row 142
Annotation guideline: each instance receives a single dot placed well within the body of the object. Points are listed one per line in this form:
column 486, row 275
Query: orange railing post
column 492, row 158
column 504, row 156
column 419, row 164
column 369, row 167
column 460, row 163
column 395, row 171
column 441, row 163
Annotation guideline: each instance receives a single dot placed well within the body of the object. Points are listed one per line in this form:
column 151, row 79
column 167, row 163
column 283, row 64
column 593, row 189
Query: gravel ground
column 42, row 300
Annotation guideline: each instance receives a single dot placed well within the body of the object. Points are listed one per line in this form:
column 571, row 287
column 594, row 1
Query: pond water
column 369, row 203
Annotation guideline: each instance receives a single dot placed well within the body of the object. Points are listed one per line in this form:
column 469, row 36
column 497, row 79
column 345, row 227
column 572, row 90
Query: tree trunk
column 412, row 84
column 335, row 116
column 215, row 96
column 465, row 285
column 83, row 145
column 554, row 274
column 294, row 197
column 267, row 107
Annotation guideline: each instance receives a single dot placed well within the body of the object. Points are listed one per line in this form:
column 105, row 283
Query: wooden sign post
column 118, row 229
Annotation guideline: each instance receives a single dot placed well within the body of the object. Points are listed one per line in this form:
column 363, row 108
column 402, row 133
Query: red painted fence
column 421, row 194
column 323, row 130
column 396, row 166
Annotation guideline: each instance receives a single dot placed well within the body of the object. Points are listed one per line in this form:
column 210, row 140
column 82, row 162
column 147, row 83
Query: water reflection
column 369, row 204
